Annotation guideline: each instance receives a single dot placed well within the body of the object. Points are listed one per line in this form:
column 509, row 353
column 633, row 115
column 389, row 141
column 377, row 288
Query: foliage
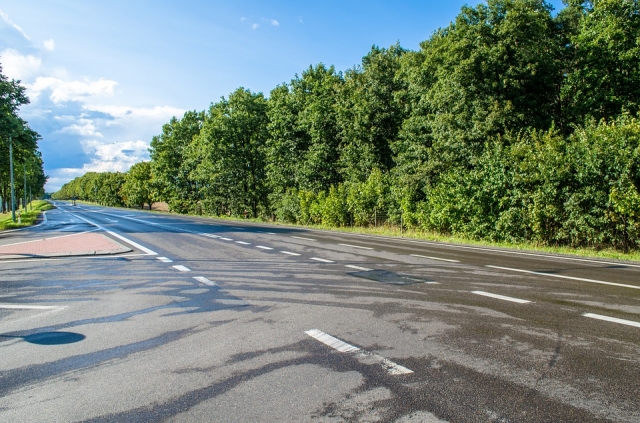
column 27, row 159
column 511, row 124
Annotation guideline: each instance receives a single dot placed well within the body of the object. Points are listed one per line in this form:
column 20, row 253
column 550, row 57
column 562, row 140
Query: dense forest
column 15, row 133
column 514, row 123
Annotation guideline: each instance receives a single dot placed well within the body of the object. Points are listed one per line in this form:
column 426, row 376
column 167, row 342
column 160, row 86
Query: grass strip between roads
column 27, row 218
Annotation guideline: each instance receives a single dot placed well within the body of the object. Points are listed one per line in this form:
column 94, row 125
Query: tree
column 369, row 118
column 138, row 185
column 603, row 79
column 228, row 154
column 169, row 164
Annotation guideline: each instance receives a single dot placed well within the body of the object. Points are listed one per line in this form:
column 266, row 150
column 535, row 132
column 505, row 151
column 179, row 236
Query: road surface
column 195, row 319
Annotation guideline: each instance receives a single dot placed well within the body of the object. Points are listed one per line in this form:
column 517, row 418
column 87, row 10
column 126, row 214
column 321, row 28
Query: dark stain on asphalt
column 16, row 378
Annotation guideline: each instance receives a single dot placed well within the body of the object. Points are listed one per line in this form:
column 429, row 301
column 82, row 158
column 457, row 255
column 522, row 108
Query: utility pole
column 24, row 192
column 13, row 192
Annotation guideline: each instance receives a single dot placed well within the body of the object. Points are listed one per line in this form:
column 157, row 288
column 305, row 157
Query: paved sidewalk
column 81, row 244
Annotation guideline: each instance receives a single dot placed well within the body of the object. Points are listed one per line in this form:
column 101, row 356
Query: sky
column 104, row 76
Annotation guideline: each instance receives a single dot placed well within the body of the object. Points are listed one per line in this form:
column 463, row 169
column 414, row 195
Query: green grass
column 27, row 218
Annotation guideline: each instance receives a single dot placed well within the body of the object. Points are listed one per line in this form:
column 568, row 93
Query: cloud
column 157, row 112
column 114, row 157
column 242, row 19
column 49, row 44
column 255, row 26
column 62, row 91
column 17, row 66
column 84, row 127
column 275, row 22
column 9, row 22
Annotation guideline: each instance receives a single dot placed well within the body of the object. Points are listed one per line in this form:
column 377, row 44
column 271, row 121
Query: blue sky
column 104, row 76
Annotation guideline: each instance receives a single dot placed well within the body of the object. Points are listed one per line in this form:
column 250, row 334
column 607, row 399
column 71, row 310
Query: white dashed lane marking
column 551, row 275
column 343, row 347
column 306, row 239
column 30, row 307
column 243, row 243
column 205, row 281
column 165, row 260
column 322, row 260
column 356, row 246
column 262, row 247
column 435, row 258
column 290, row 253
column 612, row 319
column 500, row 297
column 226, row 239
column 181, row 268
column 364, row 269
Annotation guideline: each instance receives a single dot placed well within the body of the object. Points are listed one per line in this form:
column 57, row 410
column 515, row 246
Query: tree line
column 510, row 124
column 16, row 135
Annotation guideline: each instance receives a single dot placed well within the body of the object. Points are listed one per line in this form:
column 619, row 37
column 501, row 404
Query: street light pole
column 24, row 192
column 13, row 192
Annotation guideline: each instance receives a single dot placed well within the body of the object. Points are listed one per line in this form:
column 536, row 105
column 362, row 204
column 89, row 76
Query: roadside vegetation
column 514, row 125
column 19, row 141
column 28, row 217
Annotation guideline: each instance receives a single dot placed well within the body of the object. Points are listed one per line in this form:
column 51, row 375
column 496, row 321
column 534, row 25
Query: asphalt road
column 213, row 320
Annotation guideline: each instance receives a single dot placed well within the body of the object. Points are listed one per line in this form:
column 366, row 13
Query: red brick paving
column 77, row 244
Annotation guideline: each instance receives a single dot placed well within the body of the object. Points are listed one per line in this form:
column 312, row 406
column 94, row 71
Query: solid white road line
column 612, row 319
column 29, row 307
column 351, row 266
column 343, row 347
column 299, row 237
column 205, row 280
column 165, row 260
column 127, row 240
column 356, row 246
column 551, row 275
column 501, row 297
column 243, row 243
column 181, row 268
column 262, row 247
column 435, row 258
column 290, row 253
column 322, row 260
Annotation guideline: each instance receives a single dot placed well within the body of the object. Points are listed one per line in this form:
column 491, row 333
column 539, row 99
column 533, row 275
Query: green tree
column 169, row 163
column 369, row 118
column 603, row 79
column 228, row 154
column 138, row 185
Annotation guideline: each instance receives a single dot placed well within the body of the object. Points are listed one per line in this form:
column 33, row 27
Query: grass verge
column 27, row 218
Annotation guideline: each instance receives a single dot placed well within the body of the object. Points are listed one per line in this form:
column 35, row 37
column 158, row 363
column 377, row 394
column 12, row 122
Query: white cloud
column 9, row 22
column 255, row 26
column 84, row 127
column 242, row 19
column 17, row 66
column 50, row 44
column 62, row 91
column 114, row 157
column 157, row 112
column 275, row 22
